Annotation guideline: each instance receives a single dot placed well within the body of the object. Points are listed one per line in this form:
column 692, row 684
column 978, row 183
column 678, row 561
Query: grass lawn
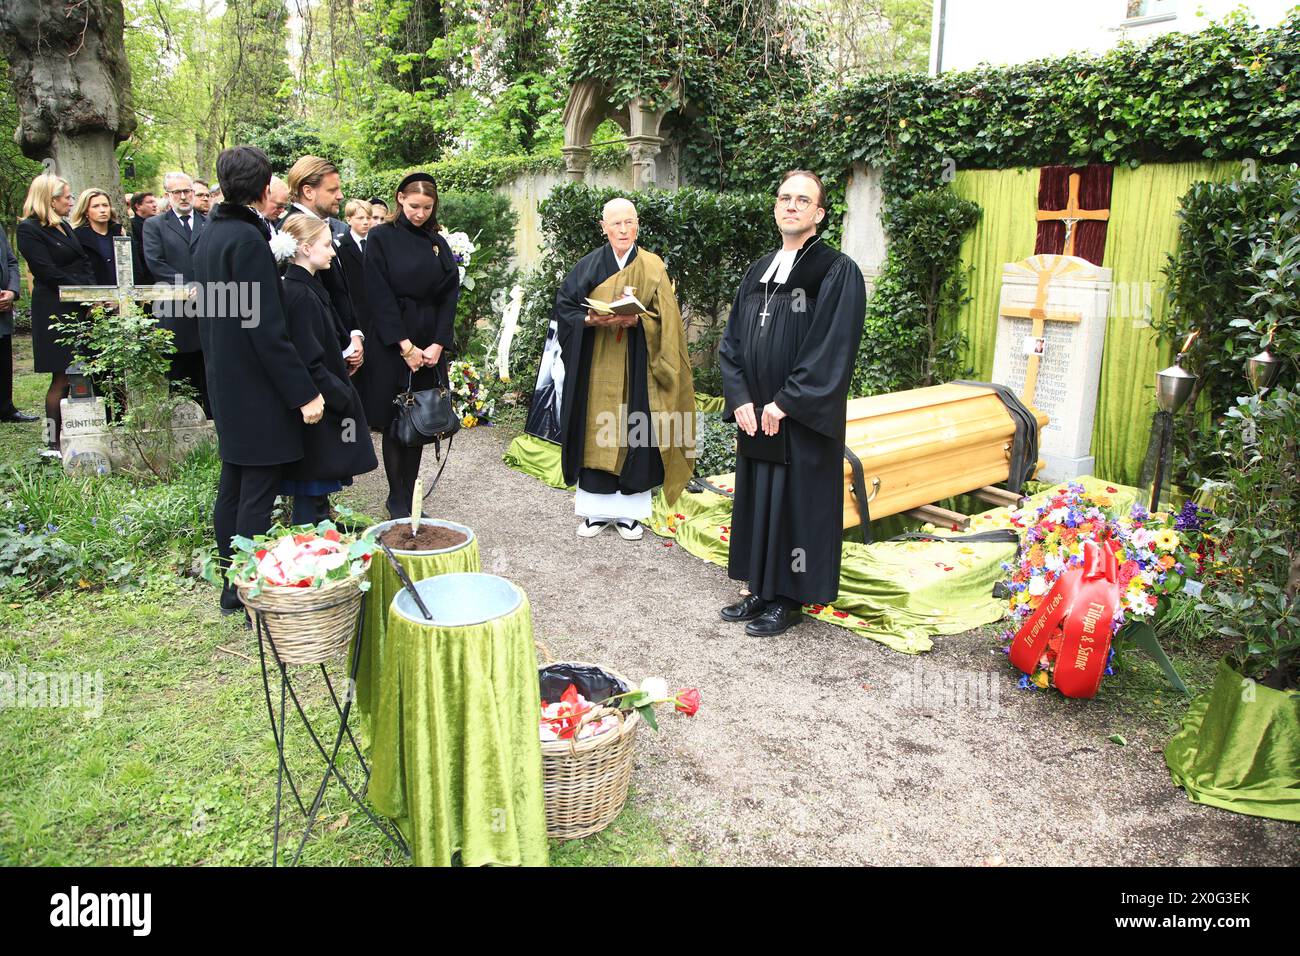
column 178, row 768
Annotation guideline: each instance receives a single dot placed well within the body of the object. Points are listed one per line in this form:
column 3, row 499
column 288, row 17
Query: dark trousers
column 7, row 375
column 245, row 497
column 310, row 509
column 188, row 367
column 401, row 467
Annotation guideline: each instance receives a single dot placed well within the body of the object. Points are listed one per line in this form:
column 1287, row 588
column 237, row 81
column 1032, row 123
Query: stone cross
column 126, row 291
column 1072, row 214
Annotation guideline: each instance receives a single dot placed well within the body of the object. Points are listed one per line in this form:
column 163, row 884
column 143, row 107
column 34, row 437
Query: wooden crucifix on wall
column 1073, row 209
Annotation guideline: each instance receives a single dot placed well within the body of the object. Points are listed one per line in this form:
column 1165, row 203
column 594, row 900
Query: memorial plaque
column 1063, row 301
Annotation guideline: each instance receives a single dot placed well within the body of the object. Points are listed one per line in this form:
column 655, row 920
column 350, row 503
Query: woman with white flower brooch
column 338, row 447
column 412, row 285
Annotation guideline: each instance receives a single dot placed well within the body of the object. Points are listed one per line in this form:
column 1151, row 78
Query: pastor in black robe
column 643, row 467
column 788, row 520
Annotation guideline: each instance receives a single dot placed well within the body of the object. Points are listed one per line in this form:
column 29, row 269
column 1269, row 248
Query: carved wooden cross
column 1039, row 314
column 126, row 291
column 1072, row 214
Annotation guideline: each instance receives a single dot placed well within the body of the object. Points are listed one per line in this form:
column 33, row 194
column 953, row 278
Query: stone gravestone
column 1051, row 330
column 91, row 446
column 87, row 442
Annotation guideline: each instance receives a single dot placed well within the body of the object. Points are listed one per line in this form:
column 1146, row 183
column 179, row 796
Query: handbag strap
column 438, row 476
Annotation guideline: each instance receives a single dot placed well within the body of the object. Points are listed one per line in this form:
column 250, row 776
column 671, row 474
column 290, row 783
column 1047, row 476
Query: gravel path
column 819, row 747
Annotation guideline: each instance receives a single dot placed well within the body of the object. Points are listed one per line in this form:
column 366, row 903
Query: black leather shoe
column 779, row 617
column 19, row 417
column 746, row 609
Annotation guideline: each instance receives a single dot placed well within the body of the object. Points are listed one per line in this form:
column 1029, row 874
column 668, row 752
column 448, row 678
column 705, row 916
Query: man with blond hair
column 315, row 191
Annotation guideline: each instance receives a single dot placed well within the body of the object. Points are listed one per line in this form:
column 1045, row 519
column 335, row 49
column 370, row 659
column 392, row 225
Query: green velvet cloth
column 1240, row 754
column 537, row 457
column 899, row 593
column 384, row 586
column 457, row 760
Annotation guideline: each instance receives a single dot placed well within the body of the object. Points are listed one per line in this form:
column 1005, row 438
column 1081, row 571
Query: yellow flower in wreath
column 1166, row 539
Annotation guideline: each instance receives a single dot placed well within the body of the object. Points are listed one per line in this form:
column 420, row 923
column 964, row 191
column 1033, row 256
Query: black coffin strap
column 860, row 494
column 1024, row 446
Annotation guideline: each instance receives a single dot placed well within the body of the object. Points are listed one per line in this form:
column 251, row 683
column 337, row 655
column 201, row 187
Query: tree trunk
column 73, row 84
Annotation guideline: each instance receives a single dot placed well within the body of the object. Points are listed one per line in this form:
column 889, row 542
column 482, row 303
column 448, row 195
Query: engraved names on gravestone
column 1051, row 329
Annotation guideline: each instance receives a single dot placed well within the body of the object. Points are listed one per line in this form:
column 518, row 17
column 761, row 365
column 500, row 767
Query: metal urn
column 1262, row 370
column 1174, row 387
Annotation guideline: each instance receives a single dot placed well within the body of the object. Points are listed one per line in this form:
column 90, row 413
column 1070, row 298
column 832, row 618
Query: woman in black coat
column 338, row 447
column 95, row 225
column 46, row 241
column 412, row 285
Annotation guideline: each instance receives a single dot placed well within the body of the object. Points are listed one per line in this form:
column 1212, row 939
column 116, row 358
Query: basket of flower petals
column 305, row 584
column 588, row 724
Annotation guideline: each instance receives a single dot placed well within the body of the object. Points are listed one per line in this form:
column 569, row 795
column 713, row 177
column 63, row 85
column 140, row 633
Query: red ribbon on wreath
column 1082, row 603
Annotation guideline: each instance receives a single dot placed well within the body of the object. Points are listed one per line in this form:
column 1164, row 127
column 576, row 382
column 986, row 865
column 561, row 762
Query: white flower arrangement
column 462, row 250
column 283, row 246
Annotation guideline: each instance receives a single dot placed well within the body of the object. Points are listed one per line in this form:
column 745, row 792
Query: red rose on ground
column 687, row 700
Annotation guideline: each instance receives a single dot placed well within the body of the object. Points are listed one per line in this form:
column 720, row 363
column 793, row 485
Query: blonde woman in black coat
column 46, row 241
column 412, row 285
column 338, row 447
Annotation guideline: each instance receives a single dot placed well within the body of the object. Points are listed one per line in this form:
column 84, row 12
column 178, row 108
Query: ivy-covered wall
column 1230, row 91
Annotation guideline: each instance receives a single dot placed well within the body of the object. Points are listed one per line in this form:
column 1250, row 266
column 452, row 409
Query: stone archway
column 588, row 106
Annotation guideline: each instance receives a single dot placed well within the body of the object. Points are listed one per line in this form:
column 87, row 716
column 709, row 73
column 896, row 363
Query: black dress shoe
column 746, row 609
column 779, row 617
column 19, row 417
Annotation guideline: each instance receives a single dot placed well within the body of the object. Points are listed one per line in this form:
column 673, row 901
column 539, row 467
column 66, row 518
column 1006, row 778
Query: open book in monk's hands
column 626, row 305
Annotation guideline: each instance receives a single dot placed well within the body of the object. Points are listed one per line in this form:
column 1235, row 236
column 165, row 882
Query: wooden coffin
column 924, row 445
column 927, row 444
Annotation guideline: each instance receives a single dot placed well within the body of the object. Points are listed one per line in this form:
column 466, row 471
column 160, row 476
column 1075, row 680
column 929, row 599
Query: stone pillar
column 576, row 160
column 644, row 149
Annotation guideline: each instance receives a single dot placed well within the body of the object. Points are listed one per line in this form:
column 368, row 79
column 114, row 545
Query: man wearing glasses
column 170, row 239
column 787, row 356
column 202, row 197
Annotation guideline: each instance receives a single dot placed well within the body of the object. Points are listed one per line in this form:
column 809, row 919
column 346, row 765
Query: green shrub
column 904, row 342
column 488, row 220
column 1210, row 279
column 715, row 446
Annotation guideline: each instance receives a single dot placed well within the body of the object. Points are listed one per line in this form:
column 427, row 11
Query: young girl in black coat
column 338, row 447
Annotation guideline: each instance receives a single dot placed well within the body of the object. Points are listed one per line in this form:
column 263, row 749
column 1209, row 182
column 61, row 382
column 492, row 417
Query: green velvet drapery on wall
column 1143, row 231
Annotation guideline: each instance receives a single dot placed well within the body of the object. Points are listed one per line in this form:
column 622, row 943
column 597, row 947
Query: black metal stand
column 279, row 728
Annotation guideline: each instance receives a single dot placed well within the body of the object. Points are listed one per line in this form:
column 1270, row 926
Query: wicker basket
column 586, row 781
column 308, row 625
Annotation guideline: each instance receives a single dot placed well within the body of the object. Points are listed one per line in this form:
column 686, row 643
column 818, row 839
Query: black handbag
column 423, row 417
